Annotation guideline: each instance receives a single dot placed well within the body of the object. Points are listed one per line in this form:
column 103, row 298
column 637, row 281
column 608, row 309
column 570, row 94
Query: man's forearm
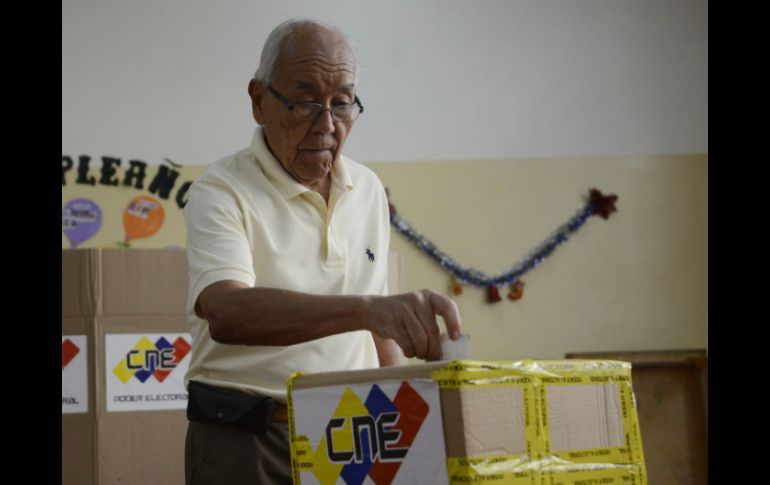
column 270, row 316
column 240, row 315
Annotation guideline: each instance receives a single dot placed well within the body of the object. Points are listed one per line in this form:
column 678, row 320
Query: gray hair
column 282, row 37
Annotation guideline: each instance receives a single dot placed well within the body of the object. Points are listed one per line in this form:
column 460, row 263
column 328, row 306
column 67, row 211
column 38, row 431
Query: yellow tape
column 560, row 371
column 593, row 475
column 532, row 428
column 293, row 440
column 631, row 428
column 458, row 379
column 544, row 428
column 496, row 470
column 517, row 470
column 636, row 438
column 302, row 452
column 619, row 454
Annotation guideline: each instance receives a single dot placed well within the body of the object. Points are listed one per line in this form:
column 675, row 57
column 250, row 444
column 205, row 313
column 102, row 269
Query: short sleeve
column 217, row 246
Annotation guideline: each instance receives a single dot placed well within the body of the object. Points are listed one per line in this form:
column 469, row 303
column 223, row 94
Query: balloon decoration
column 142, row 218
column 80, row 220
column 597, row 204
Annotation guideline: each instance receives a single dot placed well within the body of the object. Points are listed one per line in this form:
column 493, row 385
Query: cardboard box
column 524, row 422
column 136, row 296
column 110, row 298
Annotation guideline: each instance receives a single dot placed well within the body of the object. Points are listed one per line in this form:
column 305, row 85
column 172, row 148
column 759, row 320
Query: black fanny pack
column 217, row 405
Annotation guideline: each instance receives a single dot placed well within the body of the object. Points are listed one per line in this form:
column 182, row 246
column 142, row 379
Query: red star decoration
column 602, row 204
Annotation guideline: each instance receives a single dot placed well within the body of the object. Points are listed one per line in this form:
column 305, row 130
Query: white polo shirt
column 248, row 220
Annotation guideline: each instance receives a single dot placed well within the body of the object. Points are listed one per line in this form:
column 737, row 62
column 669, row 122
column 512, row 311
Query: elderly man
column 287, row 247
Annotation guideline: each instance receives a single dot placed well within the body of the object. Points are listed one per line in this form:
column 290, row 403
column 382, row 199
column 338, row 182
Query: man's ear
column 257, row 94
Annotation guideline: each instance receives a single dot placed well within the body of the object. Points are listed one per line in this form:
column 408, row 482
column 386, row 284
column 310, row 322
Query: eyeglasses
column 311, row 111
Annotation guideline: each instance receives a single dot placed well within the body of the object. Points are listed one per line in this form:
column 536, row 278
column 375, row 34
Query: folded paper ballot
column 455, row 349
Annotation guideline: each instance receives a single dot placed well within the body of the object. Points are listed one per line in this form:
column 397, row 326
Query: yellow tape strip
column 517, row 470
column 571, row 367
column 544, row 368
column 458, row 379
column 620, row 454
column 578, row 379
column 633, row 435
column 532, row 427
column 294, row 446
column 302, row 452
column 607, row 475
column 503, row 469
column 637, row 442
column 545, row 428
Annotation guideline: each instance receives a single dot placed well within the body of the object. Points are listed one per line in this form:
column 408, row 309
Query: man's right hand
column 410, row 320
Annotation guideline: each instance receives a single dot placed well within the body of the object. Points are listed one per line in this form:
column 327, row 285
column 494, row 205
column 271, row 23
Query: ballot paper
column 455, row 349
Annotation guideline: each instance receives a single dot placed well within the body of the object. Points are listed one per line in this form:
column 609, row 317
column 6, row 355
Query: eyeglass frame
column 290, row 106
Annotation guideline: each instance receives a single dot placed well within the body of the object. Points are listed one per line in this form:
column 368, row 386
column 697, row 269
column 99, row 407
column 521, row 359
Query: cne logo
column 147, row 359
column 370, row 438
column 68, row 352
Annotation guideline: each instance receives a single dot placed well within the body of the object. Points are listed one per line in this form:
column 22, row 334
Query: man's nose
column 324, row 123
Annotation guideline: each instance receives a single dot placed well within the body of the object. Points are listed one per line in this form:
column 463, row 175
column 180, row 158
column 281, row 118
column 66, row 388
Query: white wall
column 441, row 79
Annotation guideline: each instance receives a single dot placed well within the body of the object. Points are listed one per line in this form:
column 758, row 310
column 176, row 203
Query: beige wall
column 637, row 281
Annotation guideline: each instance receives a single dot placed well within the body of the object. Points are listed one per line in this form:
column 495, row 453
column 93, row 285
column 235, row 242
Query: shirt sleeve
column 217, row 246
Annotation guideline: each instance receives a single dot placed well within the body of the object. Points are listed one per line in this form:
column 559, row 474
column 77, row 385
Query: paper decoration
column 142, row 218
column 80, row 220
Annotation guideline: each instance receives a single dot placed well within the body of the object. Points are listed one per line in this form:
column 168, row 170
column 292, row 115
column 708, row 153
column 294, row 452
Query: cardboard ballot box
column 527, row 422
column 125, row 348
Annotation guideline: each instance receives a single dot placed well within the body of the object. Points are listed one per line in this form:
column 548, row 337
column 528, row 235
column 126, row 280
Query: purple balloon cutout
column 80, row 220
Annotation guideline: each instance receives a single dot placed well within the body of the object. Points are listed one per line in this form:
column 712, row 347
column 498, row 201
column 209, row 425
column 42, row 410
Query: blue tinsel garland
column 598, row 204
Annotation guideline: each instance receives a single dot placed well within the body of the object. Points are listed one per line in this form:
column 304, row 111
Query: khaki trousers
column 224, row 455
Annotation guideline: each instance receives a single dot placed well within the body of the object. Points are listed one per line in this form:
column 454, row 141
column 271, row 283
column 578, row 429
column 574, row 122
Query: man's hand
column 240, row 315
column 410, row 320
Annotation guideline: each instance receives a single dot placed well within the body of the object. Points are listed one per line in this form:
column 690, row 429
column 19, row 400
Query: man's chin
column 313, row 173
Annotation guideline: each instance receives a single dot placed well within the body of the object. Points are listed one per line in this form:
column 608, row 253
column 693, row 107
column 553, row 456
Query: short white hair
column 282, row 36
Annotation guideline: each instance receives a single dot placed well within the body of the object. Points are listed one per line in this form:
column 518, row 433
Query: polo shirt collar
column 285, row 183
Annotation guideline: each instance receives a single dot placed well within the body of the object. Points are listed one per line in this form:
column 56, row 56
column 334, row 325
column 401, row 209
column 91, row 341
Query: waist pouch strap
column 217, row 405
